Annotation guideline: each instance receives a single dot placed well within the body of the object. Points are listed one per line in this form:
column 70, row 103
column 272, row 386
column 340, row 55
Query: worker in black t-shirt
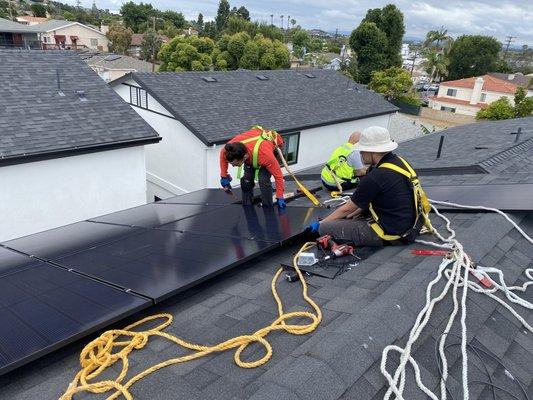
column 382, row 207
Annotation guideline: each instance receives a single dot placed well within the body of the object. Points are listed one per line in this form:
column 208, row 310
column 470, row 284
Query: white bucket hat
column 375, row 139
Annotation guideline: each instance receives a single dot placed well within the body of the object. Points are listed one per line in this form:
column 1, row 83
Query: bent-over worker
column 254, row 152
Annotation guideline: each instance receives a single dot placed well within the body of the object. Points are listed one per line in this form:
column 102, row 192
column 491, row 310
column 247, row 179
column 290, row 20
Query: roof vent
column 310, row 76
column 262, row 77
column 81, row 95
column 209, row 79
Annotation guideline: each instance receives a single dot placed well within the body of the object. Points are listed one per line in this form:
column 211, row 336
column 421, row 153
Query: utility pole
column 413, row 65
column 281, row 22
column 509, row 40
column 271, row 19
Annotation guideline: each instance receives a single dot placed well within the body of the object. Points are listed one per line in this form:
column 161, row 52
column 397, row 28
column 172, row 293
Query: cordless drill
column 338, row 250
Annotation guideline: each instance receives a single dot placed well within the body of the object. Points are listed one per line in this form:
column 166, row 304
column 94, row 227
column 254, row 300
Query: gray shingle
column 35, row 119
column 300, row 103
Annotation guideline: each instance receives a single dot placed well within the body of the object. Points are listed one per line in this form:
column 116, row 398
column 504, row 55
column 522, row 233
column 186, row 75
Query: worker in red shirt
column 254, row 152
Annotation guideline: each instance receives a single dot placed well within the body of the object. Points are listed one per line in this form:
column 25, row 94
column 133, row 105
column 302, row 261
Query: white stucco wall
column 84, row 34
column 42, row 195
column 181, row 163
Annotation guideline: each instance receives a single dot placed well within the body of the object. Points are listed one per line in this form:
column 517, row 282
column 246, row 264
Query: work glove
column 281, row 203
column 314, row 227
column 225, row 181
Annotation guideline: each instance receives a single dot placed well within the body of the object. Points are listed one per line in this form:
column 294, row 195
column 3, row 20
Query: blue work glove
column 281, row 203
column 225, row 181
column 314, row 226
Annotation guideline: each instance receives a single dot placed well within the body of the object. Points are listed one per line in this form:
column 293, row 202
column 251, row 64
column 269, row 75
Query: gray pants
column 248, row 184
column 354, row 230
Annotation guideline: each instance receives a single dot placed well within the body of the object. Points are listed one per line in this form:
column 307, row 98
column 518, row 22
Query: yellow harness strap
column 265, row 135
column 421, row 203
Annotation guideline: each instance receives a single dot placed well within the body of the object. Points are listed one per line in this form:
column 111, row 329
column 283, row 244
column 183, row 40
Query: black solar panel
column 68, row 239
column 207, row 197
column 155, row 214
column 503, row 197
column 158, row 264
column 43, row 307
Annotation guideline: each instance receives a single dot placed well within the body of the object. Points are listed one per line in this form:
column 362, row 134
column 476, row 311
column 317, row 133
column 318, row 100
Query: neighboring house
column 14, row 35
column 197, row 112
column 467, row 96
column 113, row 66
column 136, row 43
column 30, row 21
column 69, row 150
column 518, row 78
column 57, row 34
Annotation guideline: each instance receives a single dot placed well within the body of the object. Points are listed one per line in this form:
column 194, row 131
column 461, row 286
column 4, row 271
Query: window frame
column 138, row 97
column 453, row 92
column 94, row 42
column 286, row 139
column 483, row 98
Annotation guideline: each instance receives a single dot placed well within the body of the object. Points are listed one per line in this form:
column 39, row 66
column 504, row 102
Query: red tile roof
column 490, row 83
column 458, row 101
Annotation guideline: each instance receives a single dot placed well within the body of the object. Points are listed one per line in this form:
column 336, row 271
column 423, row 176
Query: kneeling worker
column 389, row 205
column 254, row 151
column 344, row 166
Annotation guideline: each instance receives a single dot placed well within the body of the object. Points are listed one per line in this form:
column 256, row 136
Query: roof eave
column 48, row 155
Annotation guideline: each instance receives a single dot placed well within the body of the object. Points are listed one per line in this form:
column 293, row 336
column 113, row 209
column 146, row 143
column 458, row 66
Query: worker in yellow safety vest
column 344, row 167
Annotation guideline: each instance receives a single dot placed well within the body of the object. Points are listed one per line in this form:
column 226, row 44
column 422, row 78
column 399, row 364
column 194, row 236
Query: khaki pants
column 354, row 230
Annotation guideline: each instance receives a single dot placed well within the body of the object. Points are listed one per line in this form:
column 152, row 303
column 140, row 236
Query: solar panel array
column 60, row 285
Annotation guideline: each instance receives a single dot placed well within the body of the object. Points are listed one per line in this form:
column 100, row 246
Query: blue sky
column 497, row 18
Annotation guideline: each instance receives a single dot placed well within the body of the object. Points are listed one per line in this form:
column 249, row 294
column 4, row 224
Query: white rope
column 456, row 277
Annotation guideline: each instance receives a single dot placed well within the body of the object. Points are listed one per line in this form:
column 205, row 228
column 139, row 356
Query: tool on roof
column 304, row 190
column 426, row 252
column 326, row 242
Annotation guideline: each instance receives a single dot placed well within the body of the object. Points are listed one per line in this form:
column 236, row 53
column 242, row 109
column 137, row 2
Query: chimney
column 510, row 77
column 476, row 92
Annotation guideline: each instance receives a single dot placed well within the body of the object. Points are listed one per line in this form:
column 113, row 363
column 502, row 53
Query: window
column 449, row 109
column 291, row 147
column 483, row 97
column 138, row 97
column 157, row 198
column 94, row 42
column 451, row 92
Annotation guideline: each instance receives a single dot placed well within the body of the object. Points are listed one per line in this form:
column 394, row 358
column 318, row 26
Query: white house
column 467, row 96
column 197, row 112
column 69, row 149
column 70, row 35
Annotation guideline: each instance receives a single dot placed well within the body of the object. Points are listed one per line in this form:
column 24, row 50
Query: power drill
column 338, row 250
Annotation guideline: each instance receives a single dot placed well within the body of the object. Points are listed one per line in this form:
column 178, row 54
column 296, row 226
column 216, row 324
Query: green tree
column 69, row 16
column 120, row 38
column 237, row 24
column 38, row 10
column 150, row 46
column 389, row 19
column 393, row 82
column 200, row 24
column 176, row 18
column 190, row 53
column 136, row 15
column 223, row 14
column 349, row 68
column 316, row 44
column 523, row 104
column 210, row 29
column 473, row 55
column 241, row 12
column 435, row 64
column 437, row 37
column 300, row 38
column 369, row 44
column 499, row 109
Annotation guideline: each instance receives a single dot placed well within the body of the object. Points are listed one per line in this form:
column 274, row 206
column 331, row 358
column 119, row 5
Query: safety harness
column 421, row 202
column 269, row 135
column 337, row 165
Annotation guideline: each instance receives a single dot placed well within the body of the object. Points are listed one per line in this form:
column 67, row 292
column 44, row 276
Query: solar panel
column 207, row 197
column 512, row 197
column 159, row 264
column 154, row 214
column 68, row 239
column 43, row 308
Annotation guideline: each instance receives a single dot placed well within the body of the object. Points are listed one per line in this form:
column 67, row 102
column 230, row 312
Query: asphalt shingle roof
column 114, row 61
column 36, row 120
column 10, row 26
column 366, row 308
column 287, row 101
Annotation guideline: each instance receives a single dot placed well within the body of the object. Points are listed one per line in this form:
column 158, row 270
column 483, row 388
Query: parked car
column 434, row 86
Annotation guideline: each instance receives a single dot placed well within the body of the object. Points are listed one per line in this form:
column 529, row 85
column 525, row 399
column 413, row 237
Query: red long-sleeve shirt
column 265, row 159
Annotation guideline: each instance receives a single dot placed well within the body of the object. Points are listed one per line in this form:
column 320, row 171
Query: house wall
column 42, row 195
column 459, row 108
column 84, row 37
column 466, row 94
column 109, row 75
column 181, row 163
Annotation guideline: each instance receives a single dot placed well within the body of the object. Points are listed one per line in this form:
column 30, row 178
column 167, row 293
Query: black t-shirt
column 390, row 194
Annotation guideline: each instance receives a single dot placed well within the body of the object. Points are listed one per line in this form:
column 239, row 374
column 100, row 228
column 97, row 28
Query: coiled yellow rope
column 99, row 354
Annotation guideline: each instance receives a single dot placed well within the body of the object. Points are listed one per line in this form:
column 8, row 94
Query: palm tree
column 436, row 64
column 437, row 36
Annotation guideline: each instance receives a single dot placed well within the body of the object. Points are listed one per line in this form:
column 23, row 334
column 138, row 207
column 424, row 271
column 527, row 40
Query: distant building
column 15, row 35
column 56, row 34
column 30, row 21
column 113, row 66
column 136, row 42
column 69, row 149
column 467, row 96
column 197, row 112
column 190, row 31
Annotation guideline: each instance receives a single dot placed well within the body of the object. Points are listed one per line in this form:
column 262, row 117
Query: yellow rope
column 99, row 354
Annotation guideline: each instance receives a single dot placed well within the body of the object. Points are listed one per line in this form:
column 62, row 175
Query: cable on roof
column 99, row 355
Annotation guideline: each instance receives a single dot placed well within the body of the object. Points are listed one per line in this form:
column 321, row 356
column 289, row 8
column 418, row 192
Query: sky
column 498, row 18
